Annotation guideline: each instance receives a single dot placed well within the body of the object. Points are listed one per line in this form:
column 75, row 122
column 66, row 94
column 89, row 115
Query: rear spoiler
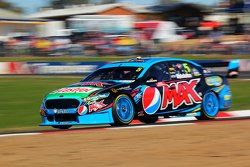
column 229, row 68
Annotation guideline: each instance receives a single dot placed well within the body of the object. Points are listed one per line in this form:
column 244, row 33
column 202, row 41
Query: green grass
column 115, row 58
column 241, row 94
column 21, row 98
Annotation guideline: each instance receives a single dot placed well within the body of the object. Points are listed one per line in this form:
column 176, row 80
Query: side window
column 158, row 72
column 180, row 70
column 195, row 71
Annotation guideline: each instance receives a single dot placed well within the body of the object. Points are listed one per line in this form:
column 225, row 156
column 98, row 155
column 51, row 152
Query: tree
column 59, row 4
column 10, row 6
column 107, row 1
column 165, row 2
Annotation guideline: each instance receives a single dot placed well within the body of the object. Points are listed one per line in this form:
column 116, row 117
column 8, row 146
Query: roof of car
column 144, row 62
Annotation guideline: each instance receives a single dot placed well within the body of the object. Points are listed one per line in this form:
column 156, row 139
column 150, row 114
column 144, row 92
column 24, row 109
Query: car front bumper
column 103, row 117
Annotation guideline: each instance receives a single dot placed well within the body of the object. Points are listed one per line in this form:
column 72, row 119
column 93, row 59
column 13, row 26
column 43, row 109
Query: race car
column 140, row 88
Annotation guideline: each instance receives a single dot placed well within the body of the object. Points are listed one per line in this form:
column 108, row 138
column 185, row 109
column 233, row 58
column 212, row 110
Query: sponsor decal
column 98, row 84
column 138, row 69
column 135, row 92
column 114, row 90
column 93, row 99
column 125, row 88
column 151, row 100
column 227, row 97
column 186, row 68
column 196, row 73
column 151, row 80
column 65, row 123
column 180, row 93
column 60, row 111
column 218, row 89
column 75, row 90
column 82, row 110
column 140, row 113
column 178, row 66
column 96, row 106
column 171, row 70
column 173, row 76
column 125, row 81
column 207, row 71
column 214, row 81
column 137, row 97
column 181, row 76
column 191, row 114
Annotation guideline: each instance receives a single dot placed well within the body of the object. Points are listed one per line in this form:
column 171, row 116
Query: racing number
column 186, row 68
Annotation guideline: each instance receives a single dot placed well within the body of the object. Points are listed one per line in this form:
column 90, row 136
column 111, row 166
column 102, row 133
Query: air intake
column 62, row 103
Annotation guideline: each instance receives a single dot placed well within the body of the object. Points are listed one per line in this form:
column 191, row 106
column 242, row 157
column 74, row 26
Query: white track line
column 178, row 119
column 240, row 113
column 19, row 134
column 233, row 114
column 150, row 126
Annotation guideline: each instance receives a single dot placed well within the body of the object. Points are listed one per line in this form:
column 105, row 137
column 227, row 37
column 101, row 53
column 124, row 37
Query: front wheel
column 123, row 110
column 210, row 106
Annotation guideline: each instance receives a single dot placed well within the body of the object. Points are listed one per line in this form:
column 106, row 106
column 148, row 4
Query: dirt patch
column 209, row 144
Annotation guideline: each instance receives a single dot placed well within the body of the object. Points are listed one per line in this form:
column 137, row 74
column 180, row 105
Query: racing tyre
column 62, row 126
column 148, row 120
column 210, row 106
column 123, row 110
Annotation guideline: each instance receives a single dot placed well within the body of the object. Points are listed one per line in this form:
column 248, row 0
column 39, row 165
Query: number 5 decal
column 186, row 68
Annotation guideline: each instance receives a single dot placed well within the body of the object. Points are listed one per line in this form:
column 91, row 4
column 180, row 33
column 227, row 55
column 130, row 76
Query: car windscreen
column 115, row 73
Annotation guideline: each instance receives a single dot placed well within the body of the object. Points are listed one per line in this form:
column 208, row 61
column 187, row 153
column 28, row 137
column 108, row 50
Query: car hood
column 81, row 89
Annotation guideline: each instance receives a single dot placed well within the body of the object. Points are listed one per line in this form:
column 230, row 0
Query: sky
column 31, row 6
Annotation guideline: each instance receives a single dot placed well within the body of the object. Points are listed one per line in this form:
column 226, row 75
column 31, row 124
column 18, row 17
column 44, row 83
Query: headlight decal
column 93, row 99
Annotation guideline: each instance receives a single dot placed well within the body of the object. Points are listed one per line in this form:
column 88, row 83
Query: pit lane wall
column 224, row 67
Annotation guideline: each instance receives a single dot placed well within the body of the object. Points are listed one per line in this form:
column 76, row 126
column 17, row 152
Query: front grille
column 62, row 103
column 66, row 117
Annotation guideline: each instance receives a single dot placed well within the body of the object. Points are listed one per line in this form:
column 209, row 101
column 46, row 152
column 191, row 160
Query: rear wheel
column 62, row 126
column 210, row 106
column 123, row 110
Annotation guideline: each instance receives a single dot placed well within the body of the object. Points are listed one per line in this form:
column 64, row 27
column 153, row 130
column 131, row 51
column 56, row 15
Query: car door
column 183, row 92
column 172, row 87
column 152, row 95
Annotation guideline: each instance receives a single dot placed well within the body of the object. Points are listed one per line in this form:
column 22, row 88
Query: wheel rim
column 125, row 109
column 211, row 104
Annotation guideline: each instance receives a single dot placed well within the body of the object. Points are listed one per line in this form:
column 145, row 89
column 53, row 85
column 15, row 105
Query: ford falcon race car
column 140, row 88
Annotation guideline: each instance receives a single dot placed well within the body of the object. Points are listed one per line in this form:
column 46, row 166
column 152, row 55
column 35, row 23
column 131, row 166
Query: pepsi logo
column 151, row 100
column 82, row 110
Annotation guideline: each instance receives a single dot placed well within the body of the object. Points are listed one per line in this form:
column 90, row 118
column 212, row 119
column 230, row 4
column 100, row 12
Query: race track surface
column 210, row 143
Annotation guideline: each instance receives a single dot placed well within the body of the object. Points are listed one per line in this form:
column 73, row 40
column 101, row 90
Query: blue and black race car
column 141, row 88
